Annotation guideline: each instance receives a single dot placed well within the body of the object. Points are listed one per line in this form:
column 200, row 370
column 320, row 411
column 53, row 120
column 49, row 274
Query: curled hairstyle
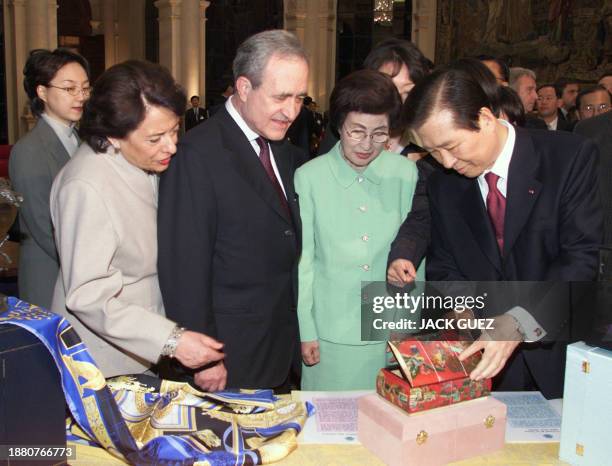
column 40, row 69
column 120, row 98
column 364, row 91
column 254, row 53
column 450, row 88
column 399, row 52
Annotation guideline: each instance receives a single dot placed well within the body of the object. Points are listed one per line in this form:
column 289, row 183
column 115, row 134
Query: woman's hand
column 196, row 350
column 310, row 352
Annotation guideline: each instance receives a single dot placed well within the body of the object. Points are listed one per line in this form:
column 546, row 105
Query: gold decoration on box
column 489, row 421
column 579, row 449
column 586, row 367
column 421, row 437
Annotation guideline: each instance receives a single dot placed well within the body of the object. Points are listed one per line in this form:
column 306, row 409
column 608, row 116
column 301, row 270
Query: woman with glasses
column 57, row 85
column 352, row 201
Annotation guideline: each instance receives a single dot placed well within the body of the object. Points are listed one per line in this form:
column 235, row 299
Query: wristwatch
column 172, row 342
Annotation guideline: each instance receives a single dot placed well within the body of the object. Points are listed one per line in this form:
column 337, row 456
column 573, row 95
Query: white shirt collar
column 248, row 132
column 502, row 163
column 553, row 124
column 64, row 132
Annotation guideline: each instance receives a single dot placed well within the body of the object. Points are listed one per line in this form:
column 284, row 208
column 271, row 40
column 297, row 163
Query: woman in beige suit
column 104, row 211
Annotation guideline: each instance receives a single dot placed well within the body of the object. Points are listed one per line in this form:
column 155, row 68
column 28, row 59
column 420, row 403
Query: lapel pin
column 531, row 191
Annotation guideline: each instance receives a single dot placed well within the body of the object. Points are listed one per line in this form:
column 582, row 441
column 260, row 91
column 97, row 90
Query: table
column 355, row 455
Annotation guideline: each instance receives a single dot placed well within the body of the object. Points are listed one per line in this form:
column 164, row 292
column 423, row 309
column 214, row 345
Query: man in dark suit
column 599, row 129
column 195, row 115
column 229, row 223
column 523, row 81
column 548, row 107
column 513, row 205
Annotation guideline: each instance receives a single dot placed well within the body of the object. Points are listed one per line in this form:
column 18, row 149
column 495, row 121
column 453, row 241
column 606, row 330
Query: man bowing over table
column 513, row 205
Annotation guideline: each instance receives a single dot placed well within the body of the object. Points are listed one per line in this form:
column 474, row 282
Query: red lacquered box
column 430, row 375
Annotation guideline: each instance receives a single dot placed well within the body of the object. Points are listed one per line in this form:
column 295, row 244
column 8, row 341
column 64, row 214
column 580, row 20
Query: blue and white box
column 586, row 428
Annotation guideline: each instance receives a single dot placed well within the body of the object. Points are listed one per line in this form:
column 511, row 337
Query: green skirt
column 345, row 367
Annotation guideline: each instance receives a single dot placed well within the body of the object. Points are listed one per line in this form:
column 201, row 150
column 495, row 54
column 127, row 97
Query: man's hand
column 196, row 350
column 498, row 346
column 310, row 352
column 401, row 272
column 212, row 379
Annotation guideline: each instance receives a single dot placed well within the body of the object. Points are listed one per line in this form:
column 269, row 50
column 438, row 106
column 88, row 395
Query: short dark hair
column 503, row 66
column 452, row 88
column 557, row 88
column 194, row 97
column 120, row 98
column 41, row 67
column 364, row 91
column 512, row 106
column 590, row 90
column 485, row 77
column 565, row 81
column 399, row 52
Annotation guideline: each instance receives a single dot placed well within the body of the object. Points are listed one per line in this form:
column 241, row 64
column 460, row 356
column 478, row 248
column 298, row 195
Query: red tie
column 496, row 206
column 264, row 157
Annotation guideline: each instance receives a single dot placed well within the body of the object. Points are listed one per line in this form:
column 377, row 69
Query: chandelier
column 383, row 12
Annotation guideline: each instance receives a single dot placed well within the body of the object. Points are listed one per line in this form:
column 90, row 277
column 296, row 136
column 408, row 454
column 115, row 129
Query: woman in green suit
column 352, row 201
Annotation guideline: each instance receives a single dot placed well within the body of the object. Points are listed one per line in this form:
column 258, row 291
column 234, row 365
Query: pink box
column 433, row 437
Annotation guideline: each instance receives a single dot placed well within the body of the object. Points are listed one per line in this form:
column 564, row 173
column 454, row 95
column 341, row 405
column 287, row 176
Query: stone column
column 110, row 33
column 204, row 4
column 123, row 24
column 28, row 24
column 182, row 36
column 424, row 16
column 314, row 22
column 130, row 28
column 169, row 34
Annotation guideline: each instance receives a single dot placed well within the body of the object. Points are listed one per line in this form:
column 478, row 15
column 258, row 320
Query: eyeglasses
column 546, row 99
column 591, row 108
column 359, row 135
column 73, row 90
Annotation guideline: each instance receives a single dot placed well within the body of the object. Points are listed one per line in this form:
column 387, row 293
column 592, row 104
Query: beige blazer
column 104, row 211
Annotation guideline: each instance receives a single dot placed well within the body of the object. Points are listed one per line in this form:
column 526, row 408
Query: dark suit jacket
column 599, row 129
column 228, row 250
column 552, row 231
column 533, row 122
column 191, row 120
column 301, row 130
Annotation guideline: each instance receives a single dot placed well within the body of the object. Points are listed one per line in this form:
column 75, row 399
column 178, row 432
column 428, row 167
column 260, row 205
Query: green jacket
column 349, row 220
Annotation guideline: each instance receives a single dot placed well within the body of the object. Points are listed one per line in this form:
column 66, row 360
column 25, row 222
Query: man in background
column 196, row 114
column 523, row 81
column 593, row 101
column 569, row 91
column 548, row 105
column 498, row 67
